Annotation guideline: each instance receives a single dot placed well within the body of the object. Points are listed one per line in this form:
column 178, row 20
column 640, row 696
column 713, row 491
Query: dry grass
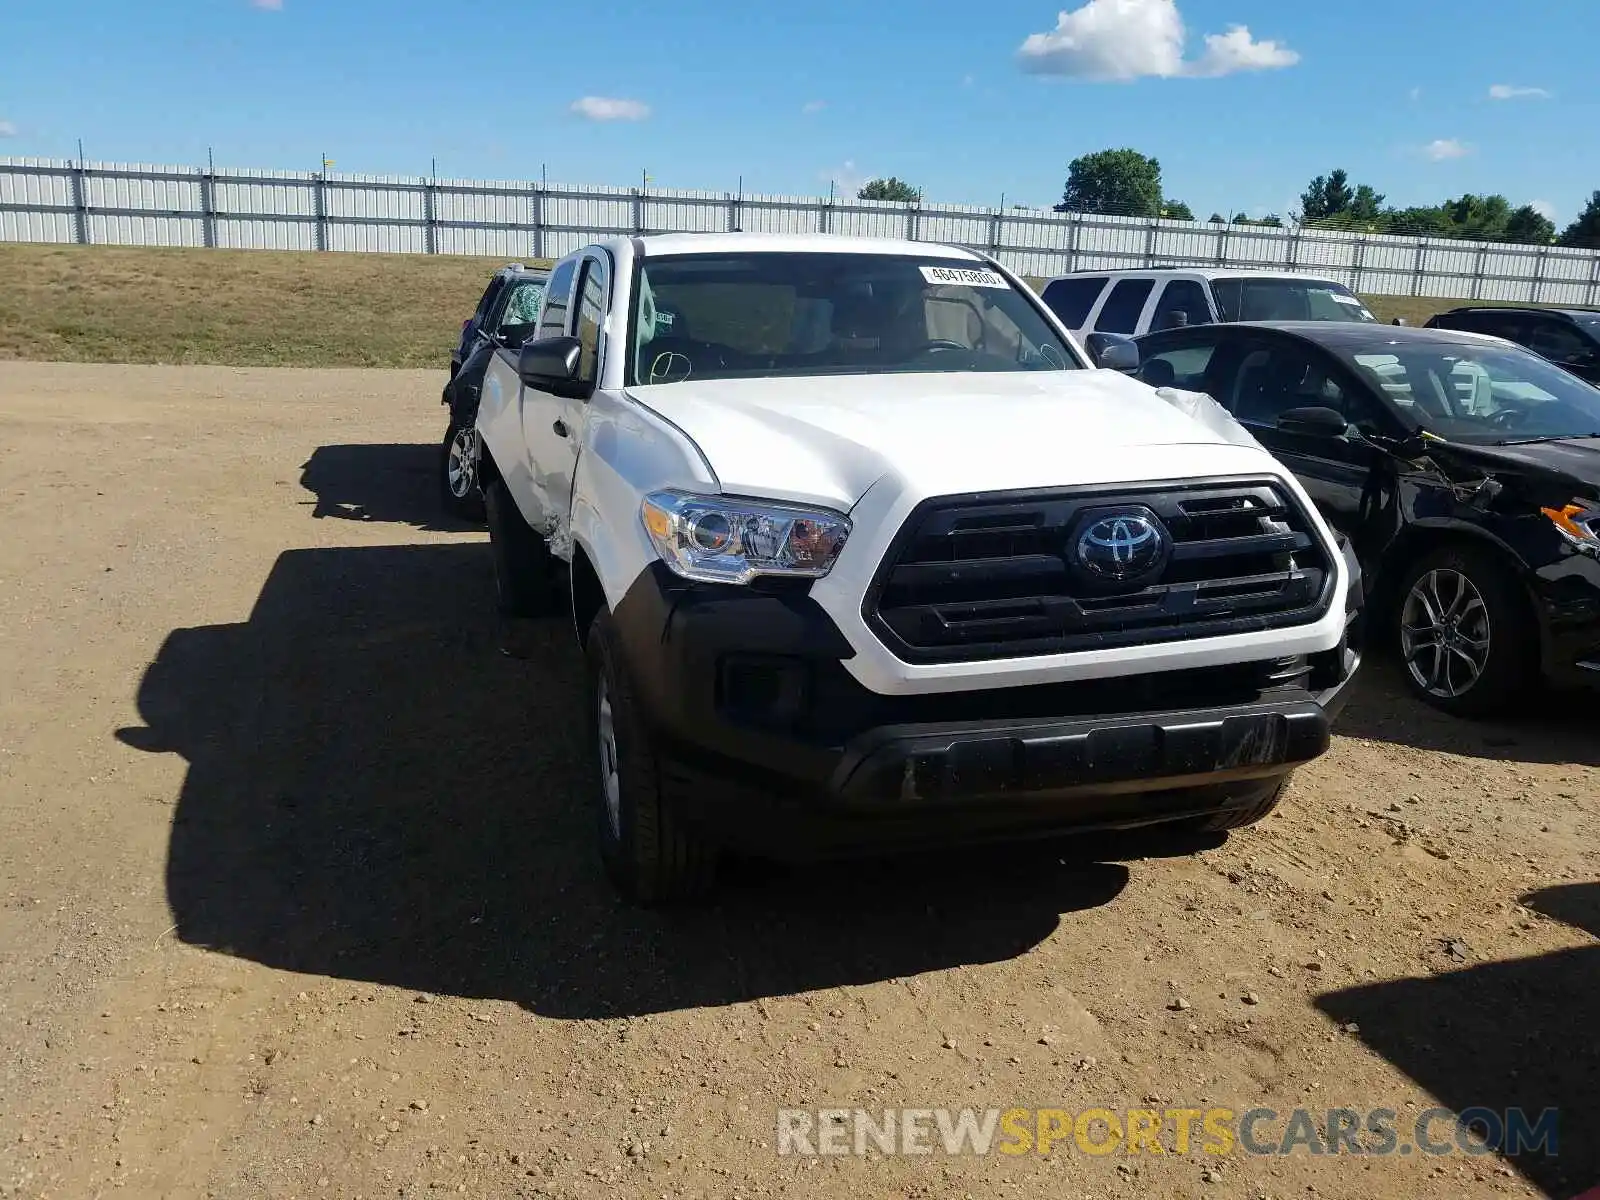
column 234, row 307
column 267, row 308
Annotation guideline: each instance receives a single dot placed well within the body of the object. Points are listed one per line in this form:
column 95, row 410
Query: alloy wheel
column 1444, row 633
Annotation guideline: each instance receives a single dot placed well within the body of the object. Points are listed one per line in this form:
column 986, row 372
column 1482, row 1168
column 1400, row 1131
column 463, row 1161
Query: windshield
column 1251, row 299
column 1488, row 394
column 740, row 316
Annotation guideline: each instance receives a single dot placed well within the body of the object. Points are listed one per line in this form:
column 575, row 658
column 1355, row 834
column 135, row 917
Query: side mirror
column 551, row 365
column 1315, row 421
column 1113, row 352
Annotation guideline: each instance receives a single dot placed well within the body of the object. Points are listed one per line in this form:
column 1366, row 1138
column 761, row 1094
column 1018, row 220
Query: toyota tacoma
column 863, row 553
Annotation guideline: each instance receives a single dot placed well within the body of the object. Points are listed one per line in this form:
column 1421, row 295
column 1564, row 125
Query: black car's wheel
column 650, row 854
column 1465, row 636
column 524, row 572
column 458, row 472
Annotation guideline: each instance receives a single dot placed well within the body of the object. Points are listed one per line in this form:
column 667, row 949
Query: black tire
column 1509, row 668
column 651, row 856
column 524, row 571
column 459, row 494
column 1238, row 818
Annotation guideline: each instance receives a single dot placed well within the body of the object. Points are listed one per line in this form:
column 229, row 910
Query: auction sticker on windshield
column 968, row 277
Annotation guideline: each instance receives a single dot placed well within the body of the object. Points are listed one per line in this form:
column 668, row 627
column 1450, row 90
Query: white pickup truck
column 863, row 553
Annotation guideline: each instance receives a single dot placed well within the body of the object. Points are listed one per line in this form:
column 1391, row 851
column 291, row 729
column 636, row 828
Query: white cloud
column 7, row 129
column 813, row 106
column 1131, row 39
column 1416, row 93
column 1544, row 208
column 608, row 108
column 1505, row 91
column 968, row 80
column 1441, row 149
column 269, row 5
column 845, row 177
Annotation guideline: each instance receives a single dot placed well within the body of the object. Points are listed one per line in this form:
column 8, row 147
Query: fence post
column 1538, row 274
column 911, row 221
column 80, row 206
column 1478, row 263
column 1222, row 243
column 825, row 215
column 1074, row 229
column 430, row 239
column 1359, row 263
column 323, row 240
column 994, row 232
column 538, row 223
column 1416, row 267
column 1594, row 281
column 733, row 213
column 1294, row 250
column 1150, row 242
column 638, row 212
column 208, row 209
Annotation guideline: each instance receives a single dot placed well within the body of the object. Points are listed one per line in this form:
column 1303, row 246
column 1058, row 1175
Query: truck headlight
column 714, row 539
column 1579, row 523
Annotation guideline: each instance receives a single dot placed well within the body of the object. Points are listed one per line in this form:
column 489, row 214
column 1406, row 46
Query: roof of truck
column 1203, row 272
column 652, row 245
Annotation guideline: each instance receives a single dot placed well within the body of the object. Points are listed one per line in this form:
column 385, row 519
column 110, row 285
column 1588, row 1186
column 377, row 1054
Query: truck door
column 553, row 425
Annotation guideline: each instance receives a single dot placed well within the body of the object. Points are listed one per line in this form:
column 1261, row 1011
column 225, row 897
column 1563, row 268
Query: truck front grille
column 1003, row 575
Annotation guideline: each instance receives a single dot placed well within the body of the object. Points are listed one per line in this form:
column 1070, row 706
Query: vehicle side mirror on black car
column 551, row 365
column 1314, row 421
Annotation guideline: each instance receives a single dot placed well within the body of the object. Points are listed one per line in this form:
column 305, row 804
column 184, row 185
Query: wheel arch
column 588, row 596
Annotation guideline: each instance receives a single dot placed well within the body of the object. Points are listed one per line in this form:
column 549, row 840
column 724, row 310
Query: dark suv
column 1568, row 337
column 507, row 312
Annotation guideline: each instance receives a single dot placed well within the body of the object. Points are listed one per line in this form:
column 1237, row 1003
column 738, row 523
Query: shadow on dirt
column 392, row 483
column 1504, row 1036
column 1555, row 728
column 376, row 792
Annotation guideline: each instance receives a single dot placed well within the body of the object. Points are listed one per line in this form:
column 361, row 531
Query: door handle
column 560, row 427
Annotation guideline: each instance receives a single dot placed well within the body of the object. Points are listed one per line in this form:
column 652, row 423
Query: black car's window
column 788, row 313
column 1181, row 296
column 1072, row 298
column 557, row 296
column 522, row 305
column 1178, row 366
column 1480, row 393
column 1120, row 313
column 1273, row 379
column 1558, row 341
column 591, row 316
column 486, row 302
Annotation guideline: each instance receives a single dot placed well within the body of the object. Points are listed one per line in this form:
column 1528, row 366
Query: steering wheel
column 933, row 345
column 1508, row 417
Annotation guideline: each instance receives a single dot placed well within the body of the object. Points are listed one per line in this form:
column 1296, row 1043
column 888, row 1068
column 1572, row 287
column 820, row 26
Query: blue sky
column 971, row 101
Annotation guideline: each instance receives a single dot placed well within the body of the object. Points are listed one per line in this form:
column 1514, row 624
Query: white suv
column 862, row 552
column 1131, row 303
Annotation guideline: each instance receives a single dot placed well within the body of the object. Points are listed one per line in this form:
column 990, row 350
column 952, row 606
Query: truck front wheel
column 650, row 854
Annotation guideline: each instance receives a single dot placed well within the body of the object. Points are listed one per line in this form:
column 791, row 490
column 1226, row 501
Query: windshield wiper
column 1548, row 437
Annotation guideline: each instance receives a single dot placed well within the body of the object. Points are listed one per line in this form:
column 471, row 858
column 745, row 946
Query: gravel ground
column 297, row 896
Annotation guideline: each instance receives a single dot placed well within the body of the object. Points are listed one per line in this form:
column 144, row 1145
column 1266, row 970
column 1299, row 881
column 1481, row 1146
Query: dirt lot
column 297, row 896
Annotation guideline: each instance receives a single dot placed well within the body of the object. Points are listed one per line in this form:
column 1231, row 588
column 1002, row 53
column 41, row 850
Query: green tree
column 1480, row 218
column 1367, row 204
column 1176, row 210
column 891, row 188
column 1530, row 227
column 1119, row 182
column 1216, row 219
column 1417, row 221
column 1327, row 196
column 1585, row 231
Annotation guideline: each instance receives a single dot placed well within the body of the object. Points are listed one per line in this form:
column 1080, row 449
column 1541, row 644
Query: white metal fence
column 56, row 200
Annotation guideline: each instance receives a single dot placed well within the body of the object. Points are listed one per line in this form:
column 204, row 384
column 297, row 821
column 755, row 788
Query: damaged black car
column 1464, row 470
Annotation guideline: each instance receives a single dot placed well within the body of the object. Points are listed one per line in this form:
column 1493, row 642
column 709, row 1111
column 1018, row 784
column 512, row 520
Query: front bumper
column 772, row 745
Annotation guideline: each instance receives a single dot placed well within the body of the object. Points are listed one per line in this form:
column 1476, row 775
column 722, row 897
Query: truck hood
column 827, row 440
